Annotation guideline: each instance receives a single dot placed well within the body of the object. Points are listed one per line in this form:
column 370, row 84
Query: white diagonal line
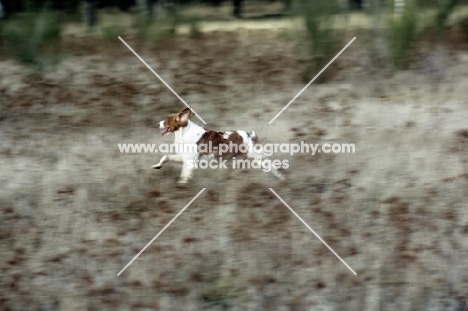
column 285, row 107
column 159, row 77
column 157, row 235
column 312, row 230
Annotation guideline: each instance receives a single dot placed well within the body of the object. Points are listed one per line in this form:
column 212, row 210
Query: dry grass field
column 74, row 210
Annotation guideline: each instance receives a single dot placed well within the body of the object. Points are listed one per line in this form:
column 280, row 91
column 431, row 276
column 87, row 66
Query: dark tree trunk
column 2, row 12
column 238, row 8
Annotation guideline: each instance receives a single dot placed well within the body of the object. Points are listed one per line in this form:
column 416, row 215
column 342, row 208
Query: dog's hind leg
column 275, row 172
column 255, row 156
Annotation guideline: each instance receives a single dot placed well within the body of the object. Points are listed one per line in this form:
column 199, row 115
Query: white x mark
column 162, row 230
column 159, row 77
column 303, row 89
column 312, row 230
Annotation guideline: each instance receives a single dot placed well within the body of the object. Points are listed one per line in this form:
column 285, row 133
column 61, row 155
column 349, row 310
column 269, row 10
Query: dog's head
column 176, row 121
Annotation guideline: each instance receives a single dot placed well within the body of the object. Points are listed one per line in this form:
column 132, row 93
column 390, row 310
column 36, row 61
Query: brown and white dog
column 188, row 133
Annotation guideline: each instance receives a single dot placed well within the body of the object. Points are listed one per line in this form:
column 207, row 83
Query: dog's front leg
column 168, row 158
column 187, row 170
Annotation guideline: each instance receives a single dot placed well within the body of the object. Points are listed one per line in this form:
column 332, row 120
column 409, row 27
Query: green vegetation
column 111, row 33
column 195, row 29
column 160, row 29
column 164, row 27
column 463, row 24
column 320, row 38
column 217, row 294
column 401, row 37
column 32, row 38
column 444, row 9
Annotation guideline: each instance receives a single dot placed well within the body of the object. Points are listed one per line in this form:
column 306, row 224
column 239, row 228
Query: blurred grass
column 112, row 32
column 216, row 294
column 444, row 9
column 401, row 36
column 403, row 30
column 195, row 26
column 320, row 39
column 160, row 29
column 32, row 38
column 165, row 26
column 463, row 24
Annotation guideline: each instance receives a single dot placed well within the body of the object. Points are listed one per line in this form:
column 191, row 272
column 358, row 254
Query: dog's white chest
column 190, row 134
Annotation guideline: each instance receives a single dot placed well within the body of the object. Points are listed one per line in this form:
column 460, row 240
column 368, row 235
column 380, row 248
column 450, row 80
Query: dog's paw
column 157, row 166
column 183, row 181
column 280, row 176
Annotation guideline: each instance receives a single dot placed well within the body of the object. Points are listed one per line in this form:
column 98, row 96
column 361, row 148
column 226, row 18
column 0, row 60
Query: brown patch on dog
column 216, row 139
column 235, row 138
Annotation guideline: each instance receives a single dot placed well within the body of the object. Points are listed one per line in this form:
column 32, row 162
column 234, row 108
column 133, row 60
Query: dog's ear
column 184, row 115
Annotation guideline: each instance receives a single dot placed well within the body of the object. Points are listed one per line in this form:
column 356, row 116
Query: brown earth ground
column 74, row 210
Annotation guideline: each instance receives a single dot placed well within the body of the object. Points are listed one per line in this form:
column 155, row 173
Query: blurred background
column 74, row 210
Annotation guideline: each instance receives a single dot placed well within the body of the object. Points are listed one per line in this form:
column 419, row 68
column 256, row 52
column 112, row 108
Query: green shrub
column 444, row 9
column 143, row 24
column 157, row 30
column 31, row 38
column 195, row 30
column 111, row 33
column 164, row 27
column 320, row 38
column 402, row 34
column 463, row 24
